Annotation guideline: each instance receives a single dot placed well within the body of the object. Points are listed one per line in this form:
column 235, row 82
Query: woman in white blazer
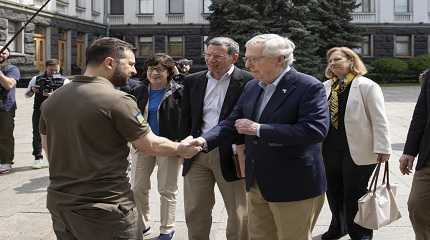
column 358, row 139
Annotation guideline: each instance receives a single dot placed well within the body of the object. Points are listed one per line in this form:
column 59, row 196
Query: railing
column 402, row 17
column 116, row 19
column 145, row 19
column 175, row 18
column 363, row 17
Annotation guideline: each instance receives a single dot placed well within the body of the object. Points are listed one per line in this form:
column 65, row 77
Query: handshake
column 190, row 146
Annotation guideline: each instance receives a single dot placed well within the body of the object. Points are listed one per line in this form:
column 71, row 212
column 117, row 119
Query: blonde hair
column 357, row 66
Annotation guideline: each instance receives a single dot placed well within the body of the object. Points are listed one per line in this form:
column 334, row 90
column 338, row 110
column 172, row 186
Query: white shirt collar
column 226, row 75
column 278, row 79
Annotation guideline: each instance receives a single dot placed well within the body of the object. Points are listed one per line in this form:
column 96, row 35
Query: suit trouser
column 167, row 180
column 346, row 183
column 37, row 141
column 7, row 141
column 282, row 220
column 199, row 199
column 89, row 223
column 418, row 204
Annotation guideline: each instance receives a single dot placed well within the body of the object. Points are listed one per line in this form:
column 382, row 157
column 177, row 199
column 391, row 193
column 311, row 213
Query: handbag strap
column 386, row 175
column 374, row 182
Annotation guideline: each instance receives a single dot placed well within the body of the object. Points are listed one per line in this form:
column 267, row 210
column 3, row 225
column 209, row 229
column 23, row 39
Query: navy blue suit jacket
column 285, row 161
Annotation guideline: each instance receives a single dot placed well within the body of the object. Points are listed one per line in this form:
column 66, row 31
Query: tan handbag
column 378, row 207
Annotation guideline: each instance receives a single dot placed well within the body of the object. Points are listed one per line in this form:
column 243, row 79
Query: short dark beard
column 118, row 79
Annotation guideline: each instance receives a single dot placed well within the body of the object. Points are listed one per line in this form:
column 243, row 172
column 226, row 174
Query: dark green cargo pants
column 106, row 222
column 7, row 142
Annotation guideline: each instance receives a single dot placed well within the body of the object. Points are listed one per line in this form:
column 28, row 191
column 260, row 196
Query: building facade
column 175, row 27
column 394, row 28
column 62, row 30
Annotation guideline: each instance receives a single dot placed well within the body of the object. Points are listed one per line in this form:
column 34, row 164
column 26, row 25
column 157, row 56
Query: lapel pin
column 284, row 90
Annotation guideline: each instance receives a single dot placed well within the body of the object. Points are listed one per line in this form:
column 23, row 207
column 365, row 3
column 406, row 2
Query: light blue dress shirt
column 268, row 90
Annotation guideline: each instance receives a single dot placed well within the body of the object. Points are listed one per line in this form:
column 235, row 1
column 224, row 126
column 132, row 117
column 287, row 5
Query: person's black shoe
column 332, row 235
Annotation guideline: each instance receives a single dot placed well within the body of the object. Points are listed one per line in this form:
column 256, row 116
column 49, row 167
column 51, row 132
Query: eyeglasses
column 213, row 56
column 158, row 69
column 252, row 59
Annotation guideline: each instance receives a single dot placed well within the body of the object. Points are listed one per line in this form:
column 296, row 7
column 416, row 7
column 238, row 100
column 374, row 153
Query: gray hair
column 231, row 45
column 274, row 45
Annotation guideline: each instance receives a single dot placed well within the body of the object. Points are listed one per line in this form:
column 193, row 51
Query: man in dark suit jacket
column 284, row 117
column 418, row 142
column 209, row 97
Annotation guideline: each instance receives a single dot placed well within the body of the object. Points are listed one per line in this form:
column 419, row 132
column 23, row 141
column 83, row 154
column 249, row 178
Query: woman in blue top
column 159, row 98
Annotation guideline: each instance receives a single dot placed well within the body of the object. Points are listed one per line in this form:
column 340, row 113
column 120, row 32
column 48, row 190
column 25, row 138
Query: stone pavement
column 23, row 215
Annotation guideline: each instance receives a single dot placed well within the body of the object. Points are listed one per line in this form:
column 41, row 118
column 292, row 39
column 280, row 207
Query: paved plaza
column 23, row 215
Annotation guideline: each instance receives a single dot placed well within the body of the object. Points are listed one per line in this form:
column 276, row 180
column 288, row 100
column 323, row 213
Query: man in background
column 9, row 76
column 41, row 86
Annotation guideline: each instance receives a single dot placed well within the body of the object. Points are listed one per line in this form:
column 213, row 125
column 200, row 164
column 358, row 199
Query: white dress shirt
column 214, row 99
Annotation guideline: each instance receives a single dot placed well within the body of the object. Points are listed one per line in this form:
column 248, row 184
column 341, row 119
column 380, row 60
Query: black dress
column 346, row 181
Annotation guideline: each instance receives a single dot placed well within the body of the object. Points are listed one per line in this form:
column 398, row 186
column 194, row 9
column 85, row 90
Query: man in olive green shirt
column 85, row 128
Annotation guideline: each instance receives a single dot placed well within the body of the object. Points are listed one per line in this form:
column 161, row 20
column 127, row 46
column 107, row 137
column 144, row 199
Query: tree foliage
column 313, row 25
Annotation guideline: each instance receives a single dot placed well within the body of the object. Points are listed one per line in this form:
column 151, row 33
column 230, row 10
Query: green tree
column 420, row 63
column 337, row 29
column 302, row 28
column 238, row 19
column 313, row 25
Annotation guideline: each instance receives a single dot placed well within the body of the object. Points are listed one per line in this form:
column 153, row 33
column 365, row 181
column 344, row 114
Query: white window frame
column 19, row 40
column 371, row 8
column 409, row 7
column 171, row 12
column 138, row 45
column 411, row 46
column 139, row 3
column 359, row 50
column 168, row 42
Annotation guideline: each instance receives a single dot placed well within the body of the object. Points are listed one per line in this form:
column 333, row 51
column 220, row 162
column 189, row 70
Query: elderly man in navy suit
column 283, row 116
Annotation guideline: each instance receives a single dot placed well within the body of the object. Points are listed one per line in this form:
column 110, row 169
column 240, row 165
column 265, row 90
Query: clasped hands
column 189, row 147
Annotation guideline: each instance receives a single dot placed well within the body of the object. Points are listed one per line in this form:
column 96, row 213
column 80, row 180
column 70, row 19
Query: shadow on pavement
column 22, row 169
column 35, row 185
